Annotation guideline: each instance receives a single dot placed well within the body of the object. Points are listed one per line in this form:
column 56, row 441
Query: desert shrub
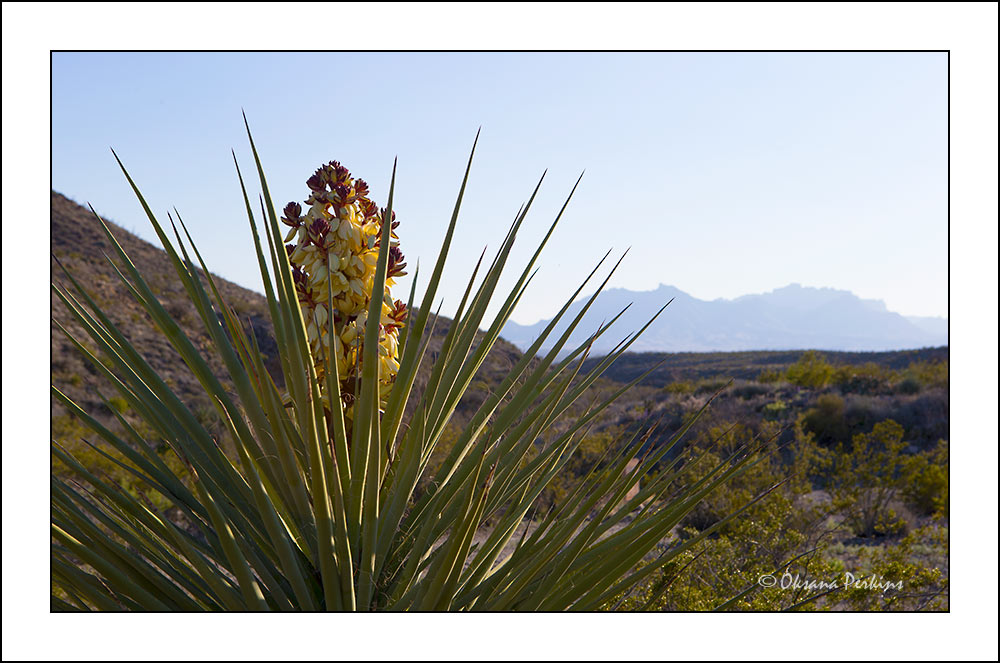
column 898, row 576
column 868, row 378
column 928, row 373
column 928, row 488
column 680, row 387
column 69, row 428
column 593, row 447
column 826, row 420
column 118, row 403
column 925, row 417
column 748, row 390
column 787, row 536
column 710, row 448
column 863, row 412
column 724, row 572
column 774, row 535
column 710, row 385
column 806, row 461
column 811, row 371
column 866, row 480
column 775, row 410
column 769, row 376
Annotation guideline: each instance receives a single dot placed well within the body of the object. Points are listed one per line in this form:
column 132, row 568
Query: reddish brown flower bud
column 316, row 183
column 396, row 262
column 301, row 282
column 343, row 193
column 293, row 213
column 368, row 208
column 318, row 229
column 398, row 315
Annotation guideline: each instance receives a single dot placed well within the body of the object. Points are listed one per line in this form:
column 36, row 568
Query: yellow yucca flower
column 336, row 252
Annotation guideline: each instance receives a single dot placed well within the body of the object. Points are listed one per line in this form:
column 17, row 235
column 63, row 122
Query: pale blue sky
column 727, row 173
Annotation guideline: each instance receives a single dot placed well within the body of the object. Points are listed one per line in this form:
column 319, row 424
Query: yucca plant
column 319, row 502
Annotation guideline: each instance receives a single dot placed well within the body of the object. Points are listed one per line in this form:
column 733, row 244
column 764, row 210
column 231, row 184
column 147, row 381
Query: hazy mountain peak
column 787, row 318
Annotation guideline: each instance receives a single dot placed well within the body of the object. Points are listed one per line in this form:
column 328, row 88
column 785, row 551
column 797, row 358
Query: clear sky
column 726, row 173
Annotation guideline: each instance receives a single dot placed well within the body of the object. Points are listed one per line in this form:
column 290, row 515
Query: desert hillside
column 79, row 244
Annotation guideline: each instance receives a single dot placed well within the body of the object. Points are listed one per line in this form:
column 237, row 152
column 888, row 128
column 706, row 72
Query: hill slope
column 80, row 245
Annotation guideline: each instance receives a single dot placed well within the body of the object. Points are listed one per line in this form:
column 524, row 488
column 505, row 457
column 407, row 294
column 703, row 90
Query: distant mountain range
column 789, row 318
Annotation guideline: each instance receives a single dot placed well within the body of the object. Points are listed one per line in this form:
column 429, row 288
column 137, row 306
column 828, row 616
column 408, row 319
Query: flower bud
column 293, row 212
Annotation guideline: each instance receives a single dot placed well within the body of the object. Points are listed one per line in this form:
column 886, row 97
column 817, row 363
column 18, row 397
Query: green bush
column 769, row 375
column 710, row 385
column 866, row 479
column 826, row 419
column 681, row 387
column 118, row 403
column 898, row 579
column 929, row 373
column 749, row 390
column 774, row 535
column 711, row 448
column 868, row 378
column 786, row 536
column 775, row 410
column 811, row 371
column 593, row 447
column 928, row 489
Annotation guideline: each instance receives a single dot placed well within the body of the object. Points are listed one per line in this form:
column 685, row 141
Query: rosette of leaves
column 317, row 508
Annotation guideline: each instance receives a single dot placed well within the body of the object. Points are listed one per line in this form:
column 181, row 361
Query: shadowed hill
column 79, row 244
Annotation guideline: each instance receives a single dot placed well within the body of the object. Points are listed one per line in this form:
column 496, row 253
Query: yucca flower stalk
column 337, row 249
column 317, row 505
